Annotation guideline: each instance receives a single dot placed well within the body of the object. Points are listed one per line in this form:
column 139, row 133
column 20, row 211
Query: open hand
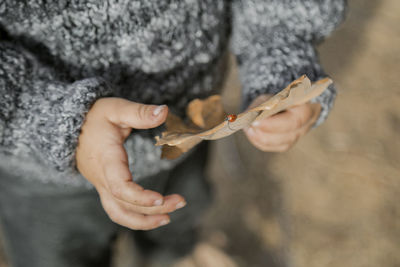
column 102, row 159
column 280, row 132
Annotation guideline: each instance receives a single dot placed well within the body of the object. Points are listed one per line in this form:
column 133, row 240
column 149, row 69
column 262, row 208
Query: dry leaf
column 209, row 123
column 206, row 113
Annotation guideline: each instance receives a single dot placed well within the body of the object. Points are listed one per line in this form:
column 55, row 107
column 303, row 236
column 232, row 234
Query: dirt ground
column 333, row 200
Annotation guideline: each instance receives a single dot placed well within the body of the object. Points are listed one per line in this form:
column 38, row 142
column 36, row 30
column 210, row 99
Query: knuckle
column 298, row 122
column 153, row 211
column 164, row 210
column 116, row 191
column 142, row 112
column 113, row 215
column 308, row 111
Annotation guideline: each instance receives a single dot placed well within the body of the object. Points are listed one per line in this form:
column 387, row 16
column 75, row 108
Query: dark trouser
column 57, row 226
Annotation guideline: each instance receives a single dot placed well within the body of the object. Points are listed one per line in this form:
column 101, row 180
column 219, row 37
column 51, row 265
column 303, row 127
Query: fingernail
column 164, row 222
column 158, row 202
column 180, row 205
column 255, row 123
column 158, row 110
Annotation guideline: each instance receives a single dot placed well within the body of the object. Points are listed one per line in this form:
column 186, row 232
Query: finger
column 269, row 148
column 171, row 203
column 120, row 184
column 273, row 142
column 135, row 115
column 289, row 120
column 272, row 139
column 132, row 220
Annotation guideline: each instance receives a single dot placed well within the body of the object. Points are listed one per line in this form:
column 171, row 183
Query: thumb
column 126, row 113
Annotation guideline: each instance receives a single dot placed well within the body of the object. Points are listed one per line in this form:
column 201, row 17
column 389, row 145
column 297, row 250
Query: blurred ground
column 333, row 199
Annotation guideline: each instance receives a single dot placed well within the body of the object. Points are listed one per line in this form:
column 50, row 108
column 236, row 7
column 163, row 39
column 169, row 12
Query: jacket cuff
column 64, row 118
column 326, row 100
column 272, row 69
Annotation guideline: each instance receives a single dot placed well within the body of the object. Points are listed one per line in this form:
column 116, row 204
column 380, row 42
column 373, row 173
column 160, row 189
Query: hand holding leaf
column 208, row 120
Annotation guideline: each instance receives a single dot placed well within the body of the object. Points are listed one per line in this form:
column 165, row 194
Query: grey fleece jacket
column 58, row 57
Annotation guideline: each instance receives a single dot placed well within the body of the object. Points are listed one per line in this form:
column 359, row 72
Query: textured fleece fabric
column 58, row 57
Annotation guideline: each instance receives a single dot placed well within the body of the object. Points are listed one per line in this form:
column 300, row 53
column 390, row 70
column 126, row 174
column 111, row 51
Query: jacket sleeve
column 274, row 40
column 40, row 115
